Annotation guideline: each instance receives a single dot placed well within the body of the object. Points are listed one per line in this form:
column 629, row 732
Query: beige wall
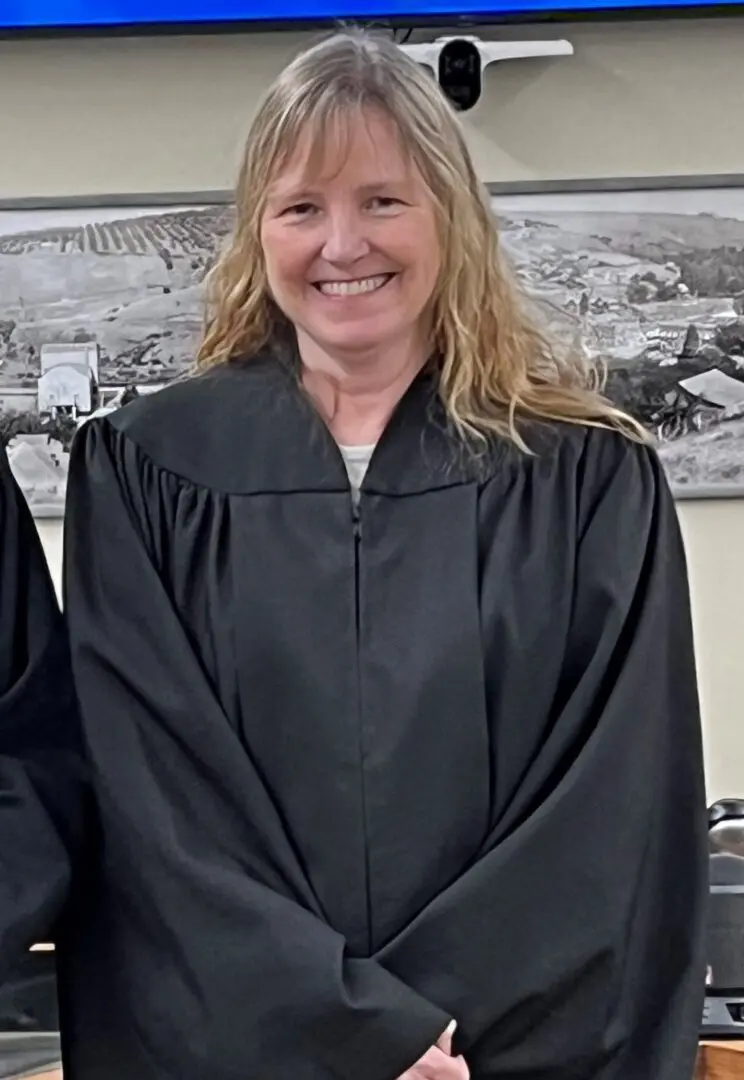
column 95, row 117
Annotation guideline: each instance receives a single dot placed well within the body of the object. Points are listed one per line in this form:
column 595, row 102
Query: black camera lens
column 459, row 73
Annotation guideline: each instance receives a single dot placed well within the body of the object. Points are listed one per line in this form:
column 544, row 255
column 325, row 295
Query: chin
column 359, row 338
column 363, row 348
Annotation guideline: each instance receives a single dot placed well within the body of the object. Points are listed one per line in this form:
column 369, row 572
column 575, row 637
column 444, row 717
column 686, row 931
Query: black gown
column 43, row 806
column 359, row 774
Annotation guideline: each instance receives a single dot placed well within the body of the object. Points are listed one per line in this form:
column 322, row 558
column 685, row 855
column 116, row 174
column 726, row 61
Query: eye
column 303, row 209
column 384, row 202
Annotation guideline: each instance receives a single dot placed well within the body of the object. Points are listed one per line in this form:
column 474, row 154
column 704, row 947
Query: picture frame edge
column 706, row 492
column 123, row 200
column 528, row 186
column 599, row 185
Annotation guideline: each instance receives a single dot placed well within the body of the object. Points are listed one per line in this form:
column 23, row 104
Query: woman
column 382, row 747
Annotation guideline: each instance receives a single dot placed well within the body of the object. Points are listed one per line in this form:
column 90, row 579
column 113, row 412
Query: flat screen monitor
column 17, row 16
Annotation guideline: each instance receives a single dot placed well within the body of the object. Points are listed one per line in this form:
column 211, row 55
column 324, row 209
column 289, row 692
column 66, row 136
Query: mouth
column 358, row 287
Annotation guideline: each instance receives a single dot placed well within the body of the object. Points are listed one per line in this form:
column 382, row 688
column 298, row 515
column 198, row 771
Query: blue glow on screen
column 48, row 14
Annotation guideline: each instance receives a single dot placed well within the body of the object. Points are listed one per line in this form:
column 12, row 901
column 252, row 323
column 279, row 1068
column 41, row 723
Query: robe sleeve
column 271, row 984
column 42, row 776
column 573, row 948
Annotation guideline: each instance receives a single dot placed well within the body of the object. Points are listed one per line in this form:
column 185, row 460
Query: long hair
column 495, row 365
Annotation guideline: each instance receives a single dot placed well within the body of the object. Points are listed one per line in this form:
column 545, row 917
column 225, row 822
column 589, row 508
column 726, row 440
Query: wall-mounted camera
column 459, row 63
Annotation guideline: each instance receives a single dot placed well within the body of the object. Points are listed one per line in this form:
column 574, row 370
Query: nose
column 344, row 240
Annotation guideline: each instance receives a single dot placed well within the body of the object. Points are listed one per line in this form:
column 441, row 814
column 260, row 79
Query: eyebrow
column 308, row 191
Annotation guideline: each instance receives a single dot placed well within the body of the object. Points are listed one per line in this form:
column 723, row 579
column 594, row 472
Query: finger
column 444, row 1042
column 436, row 1065
column 464, row 1073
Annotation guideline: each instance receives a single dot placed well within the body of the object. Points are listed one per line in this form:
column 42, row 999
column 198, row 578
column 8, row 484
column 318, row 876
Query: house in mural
column 68, row 384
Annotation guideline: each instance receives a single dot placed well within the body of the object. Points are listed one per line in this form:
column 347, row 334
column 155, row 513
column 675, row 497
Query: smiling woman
column 381, row 635
column 351, row 244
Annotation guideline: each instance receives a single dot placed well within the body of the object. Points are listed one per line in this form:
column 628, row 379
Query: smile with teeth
column 353, row 288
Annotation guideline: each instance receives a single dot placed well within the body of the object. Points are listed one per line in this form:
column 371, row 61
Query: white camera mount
column 459, row 63
column 490, row 52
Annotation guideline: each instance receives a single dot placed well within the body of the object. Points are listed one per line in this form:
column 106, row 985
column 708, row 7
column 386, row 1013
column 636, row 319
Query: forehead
column 354, row 146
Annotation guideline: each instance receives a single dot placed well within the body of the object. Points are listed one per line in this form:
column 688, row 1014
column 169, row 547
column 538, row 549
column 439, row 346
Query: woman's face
column 351, row 248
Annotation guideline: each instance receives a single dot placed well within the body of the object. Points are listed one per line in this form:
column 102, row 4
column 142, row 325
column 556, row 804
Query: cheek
column 426, row 258
column 419, row 249
column 284, row 259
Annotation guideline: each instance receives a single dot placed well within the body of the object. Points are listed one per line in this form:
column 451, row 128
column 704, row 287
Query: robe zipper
column 356, row 517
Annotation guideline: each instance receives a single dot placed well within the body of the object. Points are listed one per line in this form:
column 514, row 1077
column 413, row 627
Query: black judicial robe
column 357, row 777
column 42, row 775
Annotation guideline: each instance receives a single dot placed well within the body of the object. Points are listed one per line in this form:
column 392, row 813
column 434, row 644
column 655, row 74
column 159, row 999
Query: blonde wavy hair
column 495, row 364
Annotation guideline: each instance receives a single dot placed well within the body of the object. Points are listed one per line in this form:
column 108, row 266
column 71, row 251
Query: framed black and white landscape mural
column 650, row 276
column 97, row 305
column 101, row 303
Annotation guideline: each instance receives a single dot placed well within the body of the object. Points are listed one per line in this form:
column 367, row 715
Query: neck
column 357, row 396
